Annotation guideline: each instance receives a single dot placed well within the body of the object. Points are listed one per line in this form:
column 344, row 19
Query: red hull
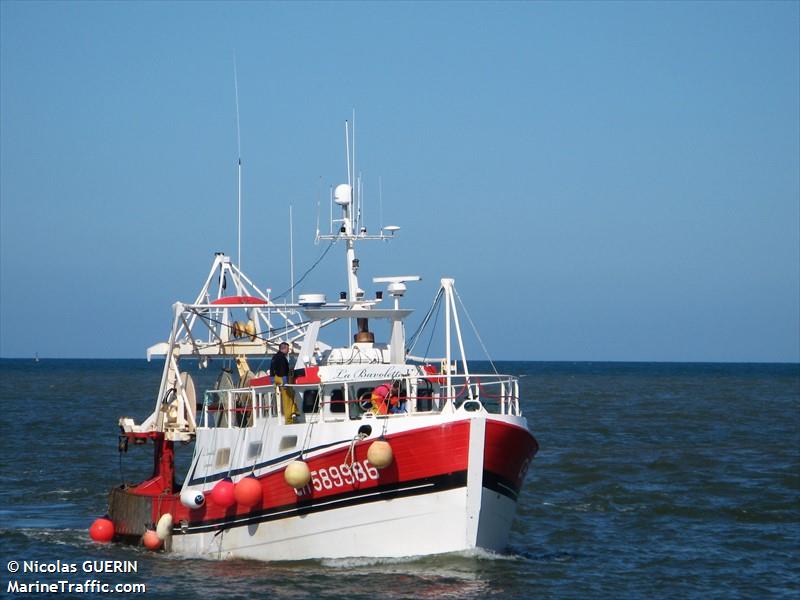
column 425, row 460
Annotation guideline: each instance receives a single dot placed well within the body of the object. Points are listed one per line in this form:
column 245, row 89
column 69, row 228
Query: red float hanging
column 151, row 540
column 248, row 491
column 222, row 493
column 102, row 530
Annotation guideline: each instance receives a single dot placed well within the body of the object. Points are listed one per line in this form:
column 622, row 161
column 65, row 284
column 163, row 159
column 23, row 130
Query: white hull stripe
column 303, row 507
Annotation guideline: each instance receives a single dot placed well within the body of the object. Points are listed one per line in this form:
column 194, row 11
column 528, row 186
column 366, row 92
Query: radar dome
column 342, row 194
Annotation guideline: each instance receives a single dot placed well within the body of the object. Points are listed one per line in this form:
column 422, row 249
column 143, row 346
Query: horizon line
column 604, row 361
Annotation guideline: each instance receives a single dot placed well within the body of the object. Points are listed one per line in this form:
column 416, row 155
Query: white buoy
column 192, row 499
column 380, row 454
column 164, row 526
column 297, row 474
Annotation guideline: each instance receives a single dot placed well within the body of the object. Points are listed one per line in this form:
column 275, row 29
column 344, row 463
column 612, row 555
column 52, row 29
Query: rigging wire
column 475, row 330
column 415, row 336
column 238, row 418
column 433, row 330
column 307, row 439
column 265, row 434
column 311, row 268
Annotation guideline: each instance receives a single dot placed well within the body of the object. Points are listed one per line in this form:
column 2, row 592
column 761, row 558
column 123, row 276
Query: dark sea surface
column 653, row 481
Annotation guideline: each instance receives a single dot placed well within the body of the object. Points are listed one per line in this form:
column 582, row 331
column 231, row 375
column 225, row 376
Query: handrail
column 500, row 391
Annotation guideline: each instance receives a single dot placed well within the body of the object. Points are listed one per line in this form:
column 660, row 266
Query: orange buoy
column 297, row 474
column 151, row 540
column 247, row 491
column 222, row 493
column 380, row 453
column 102, row 530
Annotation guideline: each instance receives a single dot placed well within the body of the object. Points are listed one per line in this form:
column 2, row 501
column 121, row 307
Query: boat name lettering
column 372, row 373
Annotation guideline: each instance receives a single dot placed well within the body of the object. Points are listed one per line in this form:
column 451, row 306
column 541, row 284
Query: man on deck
column 279, row 369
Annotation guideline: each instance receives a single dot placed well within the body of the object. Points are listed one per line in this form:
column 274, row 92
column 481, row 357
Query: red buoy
column 222, row 493
column 102, row 530
column 248, row 491
column 151, row 540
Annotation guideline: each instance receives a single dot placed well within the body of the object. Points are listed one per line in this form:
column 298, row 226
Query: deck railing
column 340, row 400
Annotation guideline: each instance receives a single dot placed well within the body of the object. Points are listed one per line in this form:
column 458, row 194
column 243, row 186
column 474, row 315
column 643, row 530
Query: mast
column 345, row 195
column 451, row 315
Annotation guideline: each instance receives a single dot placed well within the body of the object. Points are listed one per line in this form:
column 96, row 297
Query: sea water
column 653, row 480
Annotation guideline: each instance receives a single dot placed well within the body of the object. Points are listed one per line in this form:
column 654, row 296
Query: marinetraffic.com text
column 35, row 577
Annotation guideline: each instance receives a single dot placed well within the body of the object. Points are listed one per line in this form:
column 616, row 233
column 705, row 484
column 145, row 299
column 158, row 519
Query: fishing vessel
column 361, row 449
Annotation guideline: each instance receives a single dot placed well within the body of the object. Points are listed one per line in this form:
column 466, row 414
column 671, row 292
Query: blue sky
column 605, row 181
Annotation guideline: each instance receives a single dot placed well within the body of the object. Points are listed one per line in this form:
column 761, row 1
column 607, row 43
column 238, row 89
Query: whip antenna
column 347, row 151
column 238, row 169
column 357, row 200
column 291, row 252
column 319, row 195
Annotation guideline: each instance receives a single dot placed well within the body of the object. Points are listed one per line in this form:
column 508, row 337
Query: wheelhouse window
column 337, row 401
column 310, row 401
column 363, row 401
column 424, row 396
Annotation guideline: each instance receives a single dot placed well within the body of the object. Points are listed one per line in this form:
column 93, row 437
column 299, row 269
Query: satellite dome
column 342, row 194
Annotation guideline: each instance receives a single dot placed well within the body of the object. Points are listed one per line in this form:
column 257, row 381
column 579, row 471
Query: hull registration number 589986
column 344, row 475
